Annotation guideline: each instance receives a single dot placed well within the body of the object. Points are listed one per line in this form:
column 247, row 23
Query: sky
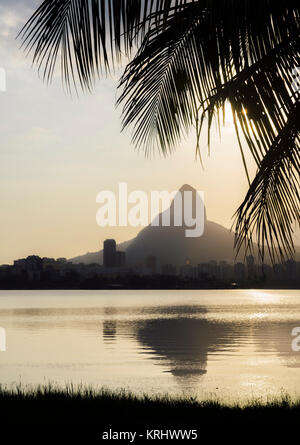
column 58, row 152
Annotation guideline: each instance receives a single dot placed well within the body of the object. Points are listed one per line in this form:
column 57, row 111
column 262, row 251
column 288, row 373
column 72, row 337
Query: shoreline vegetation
column 85, row 414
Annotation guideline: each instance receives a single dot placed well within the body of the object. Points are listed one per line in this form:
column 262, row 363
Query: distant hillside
column 170, row 246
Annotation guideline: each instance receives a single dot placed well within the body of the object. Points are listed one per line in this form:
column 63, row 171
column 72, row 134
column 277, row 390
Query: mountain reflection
column 183, row 344
column 179, row 338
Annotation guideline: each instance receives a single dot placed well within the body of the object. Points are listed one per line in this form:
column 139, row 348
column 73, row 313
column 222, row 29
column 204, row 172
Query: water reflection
column 195, row 343
column 109, row 325
column 183, row 344
column 183, row 339
column 277, row 336
column 179, row 339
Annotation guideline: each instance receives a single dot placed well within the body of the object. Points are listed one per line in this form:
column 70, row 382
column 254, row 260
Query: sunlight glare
column 229, row 122
column 263, row 297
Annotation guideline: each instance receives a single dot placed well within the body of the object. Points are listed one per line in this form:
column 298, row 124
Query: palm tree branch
column 89, row 35
column 157, row 84
column 194, row 56
column 271, row 204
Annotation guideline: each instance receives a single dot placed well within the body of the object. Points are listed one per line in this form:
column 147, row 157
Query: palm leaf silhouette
column 187, row 59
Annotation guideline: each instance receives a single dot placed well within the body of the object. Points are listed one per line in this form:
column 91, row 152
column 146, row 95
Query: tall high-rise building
column 109, row 253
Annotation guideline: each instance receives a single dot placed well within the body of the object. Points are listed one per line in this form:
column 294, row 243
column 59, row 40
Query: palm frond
column 160, row 88
column 202, row 48
column 271, row 205
column 192, row 56
column 88, row 36
column 200, row 58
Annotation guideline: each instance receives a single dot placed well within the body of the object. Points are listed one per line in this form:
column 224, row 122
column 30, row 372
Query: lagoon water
column 232, row 344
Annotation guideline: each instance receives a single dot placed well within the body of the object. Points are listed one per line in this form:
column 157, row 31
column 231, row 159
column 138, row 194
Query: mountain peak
column 196, row 197
column 187, row 188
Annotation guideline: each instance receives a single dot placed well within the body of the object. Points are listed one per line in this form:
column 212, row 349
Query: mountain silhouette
column 170, row 245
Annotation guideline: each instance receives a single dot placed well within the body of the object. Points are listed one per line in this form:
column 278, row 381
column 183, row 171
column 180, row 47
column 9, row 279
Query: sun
column 229, row 121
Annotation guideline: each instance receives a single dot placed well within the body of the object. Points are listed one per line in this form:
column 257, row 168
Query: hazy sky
column 57, row 153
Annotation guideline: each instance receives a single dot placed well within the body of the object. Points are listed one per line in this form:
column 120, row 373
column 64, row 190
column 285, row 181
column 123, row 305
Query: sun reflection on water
column 259, row 296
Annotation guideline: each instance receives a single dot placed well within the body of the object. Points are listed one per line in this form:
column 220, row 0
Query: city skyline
column 48, row 273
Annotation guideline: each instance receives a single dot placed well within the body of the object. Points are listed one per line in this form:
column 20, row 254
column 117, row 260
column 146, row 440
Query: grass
column 82, row 412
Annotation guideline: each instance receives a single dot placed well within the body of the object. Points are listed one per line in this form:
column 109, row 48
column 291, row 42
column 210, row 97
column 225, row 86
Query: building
column 239, row 272
column 226, row 271
column 187, row 270
column 120, row 259
column 168, row 269
column 109, row 253
column 112, row 258
column 32, row 266
column 250, row 267
column 291, row 270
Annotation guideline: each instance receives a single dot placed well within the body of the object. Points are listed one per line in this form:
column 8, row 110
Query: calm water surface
column 233, row 344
